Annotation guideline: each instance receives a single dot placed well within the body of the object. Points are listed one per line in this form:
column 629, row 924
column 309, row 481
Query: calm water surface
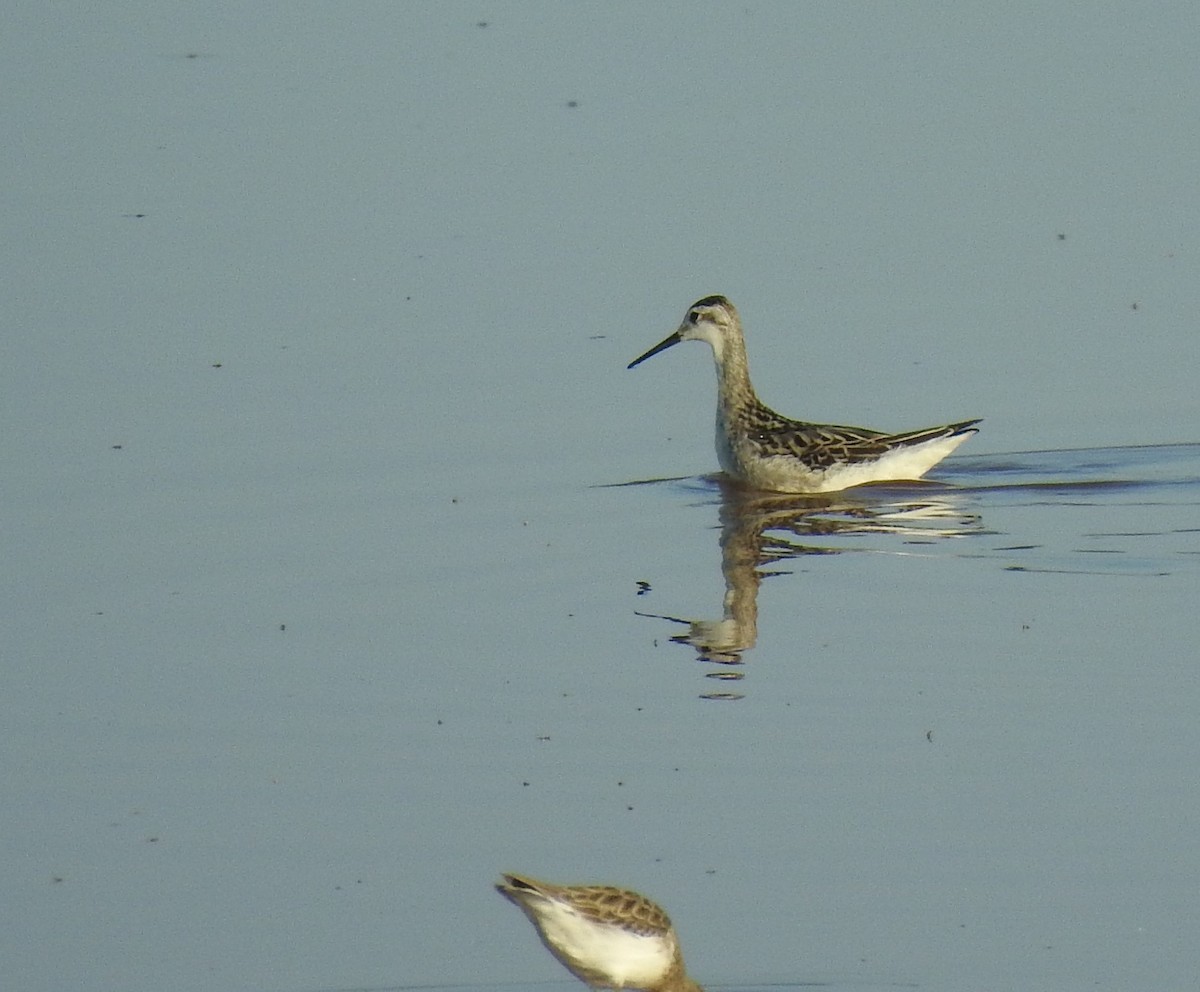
column 340, row 569
column 885, row 738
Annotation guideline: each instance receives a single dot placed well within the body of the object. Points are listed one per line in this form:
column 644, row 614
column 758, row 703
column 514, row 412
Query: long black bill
column 661, row 346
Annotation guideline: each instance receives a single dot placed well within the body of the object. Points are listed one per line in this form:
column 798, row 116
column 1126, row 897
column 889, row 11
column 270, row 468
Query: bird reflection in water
column 760, row 531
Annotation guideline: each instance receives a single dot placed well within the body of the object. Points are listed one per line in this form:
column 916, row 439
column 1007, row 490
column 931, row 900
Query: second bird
column 767, row 451
column 607, row 937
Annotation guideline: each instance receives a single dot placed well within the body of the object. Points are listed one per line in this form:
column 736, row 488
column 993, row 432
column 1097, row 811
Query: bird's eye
column 693, row 317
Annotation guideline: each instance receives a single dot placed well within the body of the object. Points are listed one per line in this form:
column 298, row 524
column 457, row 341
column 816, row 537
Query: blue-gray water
column 341, row 573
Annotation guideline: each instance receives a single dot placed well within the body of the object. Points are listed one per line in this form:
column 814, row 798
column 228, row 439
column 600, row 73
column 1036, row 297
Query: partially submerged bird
column 607, row 937
column 759, row 447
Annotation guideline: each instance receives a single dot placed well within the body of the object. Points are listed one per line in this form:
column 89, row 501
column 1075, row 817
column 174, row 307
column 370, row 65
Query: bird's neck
column 733, row 376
